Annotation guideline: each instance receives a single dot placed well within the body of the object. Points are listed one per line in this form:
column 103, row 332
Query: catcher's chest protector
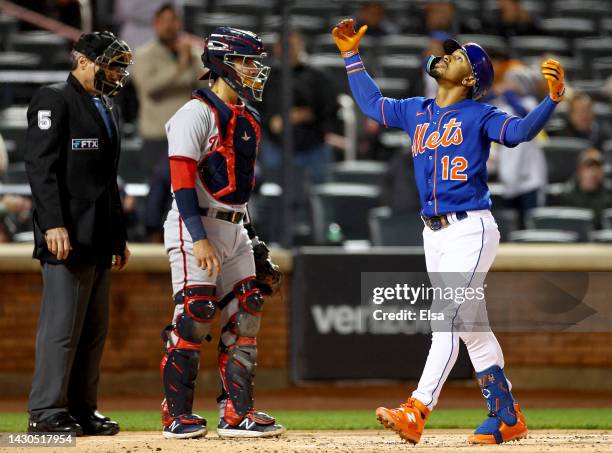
column 228, row 172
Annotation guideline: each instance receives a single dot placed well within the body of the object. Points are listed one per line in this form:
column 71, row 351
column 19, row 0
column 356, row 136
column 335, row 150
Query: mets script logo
column 84, row 143
column 451, row 135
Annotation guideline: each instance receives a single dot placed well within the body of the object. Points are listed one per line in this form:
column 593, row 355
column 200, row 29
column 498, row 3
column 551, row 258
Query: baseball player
column 451, row 136
column 216, row 259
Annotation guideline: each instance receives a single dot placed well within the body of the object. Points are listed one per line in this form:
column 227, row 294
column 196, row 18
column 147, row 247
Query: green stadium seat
column 578, row 220
column 347, row 205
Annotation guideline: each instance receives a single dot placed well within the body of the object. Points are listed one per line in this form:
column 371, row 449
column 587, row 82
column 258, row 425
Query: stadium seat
column 401, row 66
column 589, row 9
column 359, row 171
column 204, row 23
column 507, row 221
column 13, row 127
column 605, row 26
column 8, row 26
column 403, row 44
column 321, row 8
column 496, row 191
column 19, row 61
column 602, row 67
column 561, row 154
column 333, row 65
column 249, row 7
column 346, row 205
column 52, row 48
column 489, row 42
column 16, row 174
column 544, row 236
column 388, row 228
column 306, row 24
column 525, row 46
column 594, row 88
column 554, row 193
column 591, row 48
column 601, row 236
column 606, row 218
column 578, row 220
column 397, row 88
column 130, row 166
column 568, row 27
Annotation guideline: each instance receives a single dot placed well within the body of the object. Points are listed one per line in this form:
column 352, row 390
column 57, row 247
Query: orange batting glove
column 555, row 76
column 345, row 37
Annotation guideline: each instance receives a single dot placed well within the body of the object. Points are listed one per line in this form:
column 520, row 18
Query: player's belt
column 228, row 216
column 438, row 222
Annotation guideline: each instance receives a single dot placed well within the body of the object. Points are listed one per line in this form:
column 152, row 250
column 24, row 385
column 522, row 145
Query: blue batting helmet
column 482, row 68
column 227, row 46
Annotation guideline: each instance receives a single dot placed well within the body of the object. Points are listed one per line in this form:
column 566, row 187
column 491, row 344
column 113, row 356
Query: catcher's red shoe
column 408, row 420
column 495, row 431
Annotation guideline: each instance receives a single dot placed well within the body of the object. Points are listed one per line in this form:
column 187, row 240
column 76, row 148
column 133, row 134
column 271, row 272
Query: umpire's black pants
column 72, row 329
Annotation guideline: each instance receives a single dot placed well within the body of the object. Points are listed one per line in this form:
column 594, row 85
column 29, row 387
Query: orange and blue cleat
column 495, row 431
column 408, row 420
column 505, row 421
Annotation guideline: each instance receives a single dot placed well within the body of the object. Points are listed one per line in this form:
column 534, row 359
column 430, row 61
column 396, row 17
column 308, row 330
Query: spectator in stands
column 167, row 70
column 512, row 20
column 372, row 14
column 441, row 15
column 313, row 114
column 588, row 189
column 133, row 17
column 11, row 205
column 521, row 169
column 581, row 121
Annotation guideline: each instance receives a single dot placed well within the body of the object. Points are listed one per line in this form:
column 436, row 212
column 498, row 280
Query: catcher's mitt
column 267, row 274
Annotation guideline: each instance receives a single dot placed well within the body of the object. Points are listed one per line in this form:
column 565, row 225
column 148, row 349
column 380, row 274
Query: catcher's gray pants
column 234, row 250
column 72, row 329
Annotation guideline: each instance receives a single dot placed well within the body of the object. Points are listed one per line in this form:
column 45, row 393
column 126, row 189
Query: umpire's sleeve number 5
column 457, row 167
column 44, row 119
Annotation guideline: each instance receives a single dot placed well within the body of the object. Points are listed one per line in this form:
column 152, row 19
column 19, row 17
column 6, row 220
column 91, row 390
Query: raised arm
column 511, row 130
column 388, row 112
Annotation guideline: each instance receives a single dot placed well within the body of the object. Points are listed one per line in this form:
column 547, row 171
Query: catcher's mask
column 111, row 57
column 237, row 57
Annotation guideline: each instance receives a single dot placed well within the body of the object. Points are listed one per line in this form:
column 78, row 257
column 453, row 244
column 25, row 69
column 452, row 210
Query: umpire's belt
column 228, row 216
column 442, row 221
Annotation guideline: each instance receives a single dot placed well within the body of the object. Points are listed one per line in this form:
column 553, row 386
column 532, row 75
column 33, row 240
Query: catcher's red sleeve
column 183, row 173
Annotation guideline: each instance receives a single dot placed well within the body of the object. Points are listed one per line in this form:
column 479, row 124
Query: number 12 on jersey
column 454, row 169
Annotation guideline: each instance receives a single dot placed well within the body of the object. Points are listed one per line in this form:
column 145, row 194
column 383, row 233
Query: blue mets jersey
column 450, row 145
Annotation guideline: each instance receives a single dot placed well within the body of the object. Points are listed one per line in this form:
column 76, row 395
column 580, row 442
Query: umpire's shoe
column 96, row 424
column 254, row 424
column 408, row 420
column 62, row 422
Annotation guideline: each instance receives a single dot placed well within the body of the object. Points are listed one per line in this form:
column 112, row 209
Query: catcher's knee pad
column 237, row 361
column 199, row 308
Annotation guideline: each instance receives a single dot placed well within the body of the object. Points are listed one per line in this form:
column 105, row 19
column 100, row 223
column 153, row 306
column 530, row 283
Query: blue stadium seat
column 561, row 154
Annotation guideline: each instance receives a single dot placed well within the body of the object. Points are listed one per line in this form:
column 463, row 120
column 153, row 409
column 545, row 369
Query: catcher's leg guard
column 195, row 309
column 237, row 360
column 505, row 421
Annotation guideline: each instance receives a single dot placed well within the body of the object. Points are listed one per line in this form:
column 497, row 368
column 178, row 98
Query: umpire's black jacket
column 71, row 164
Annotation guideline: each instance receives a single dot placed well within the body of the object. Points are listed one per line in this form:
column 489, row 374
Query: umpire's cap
column 94, row 44
column 482, row 68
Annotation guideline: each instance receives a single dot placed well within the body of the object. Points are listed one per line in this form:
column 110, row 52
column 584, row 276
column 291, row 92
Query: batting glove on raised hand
column 346, row 38
column 555, row 76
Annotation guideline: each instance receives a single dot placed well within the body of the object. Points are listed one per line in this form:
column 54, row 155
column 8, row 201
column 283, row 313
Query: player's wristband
column 353, row 63
column 187, row 203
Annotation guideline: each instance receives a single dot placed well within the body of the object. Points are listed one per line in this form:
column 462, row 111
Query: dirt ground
column 557, row 441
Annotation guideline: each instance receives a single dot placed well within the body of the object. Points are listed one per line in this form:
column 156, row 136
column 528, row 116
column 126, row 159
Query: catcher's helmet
column 110, row 55
column 482, row 68
column 223, row 47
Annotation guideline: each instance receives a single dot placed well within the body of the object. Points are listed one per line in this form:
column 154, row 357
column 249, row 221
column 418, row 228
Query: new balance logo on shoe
column 410, row 416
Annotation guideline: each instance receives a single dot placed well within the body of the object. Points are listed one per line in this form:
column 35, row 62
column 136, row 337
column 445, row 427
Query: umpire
column 72, row 154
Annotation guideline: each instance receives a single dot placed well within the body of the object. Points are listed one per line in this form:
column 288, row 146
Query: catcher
column 217, row 261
